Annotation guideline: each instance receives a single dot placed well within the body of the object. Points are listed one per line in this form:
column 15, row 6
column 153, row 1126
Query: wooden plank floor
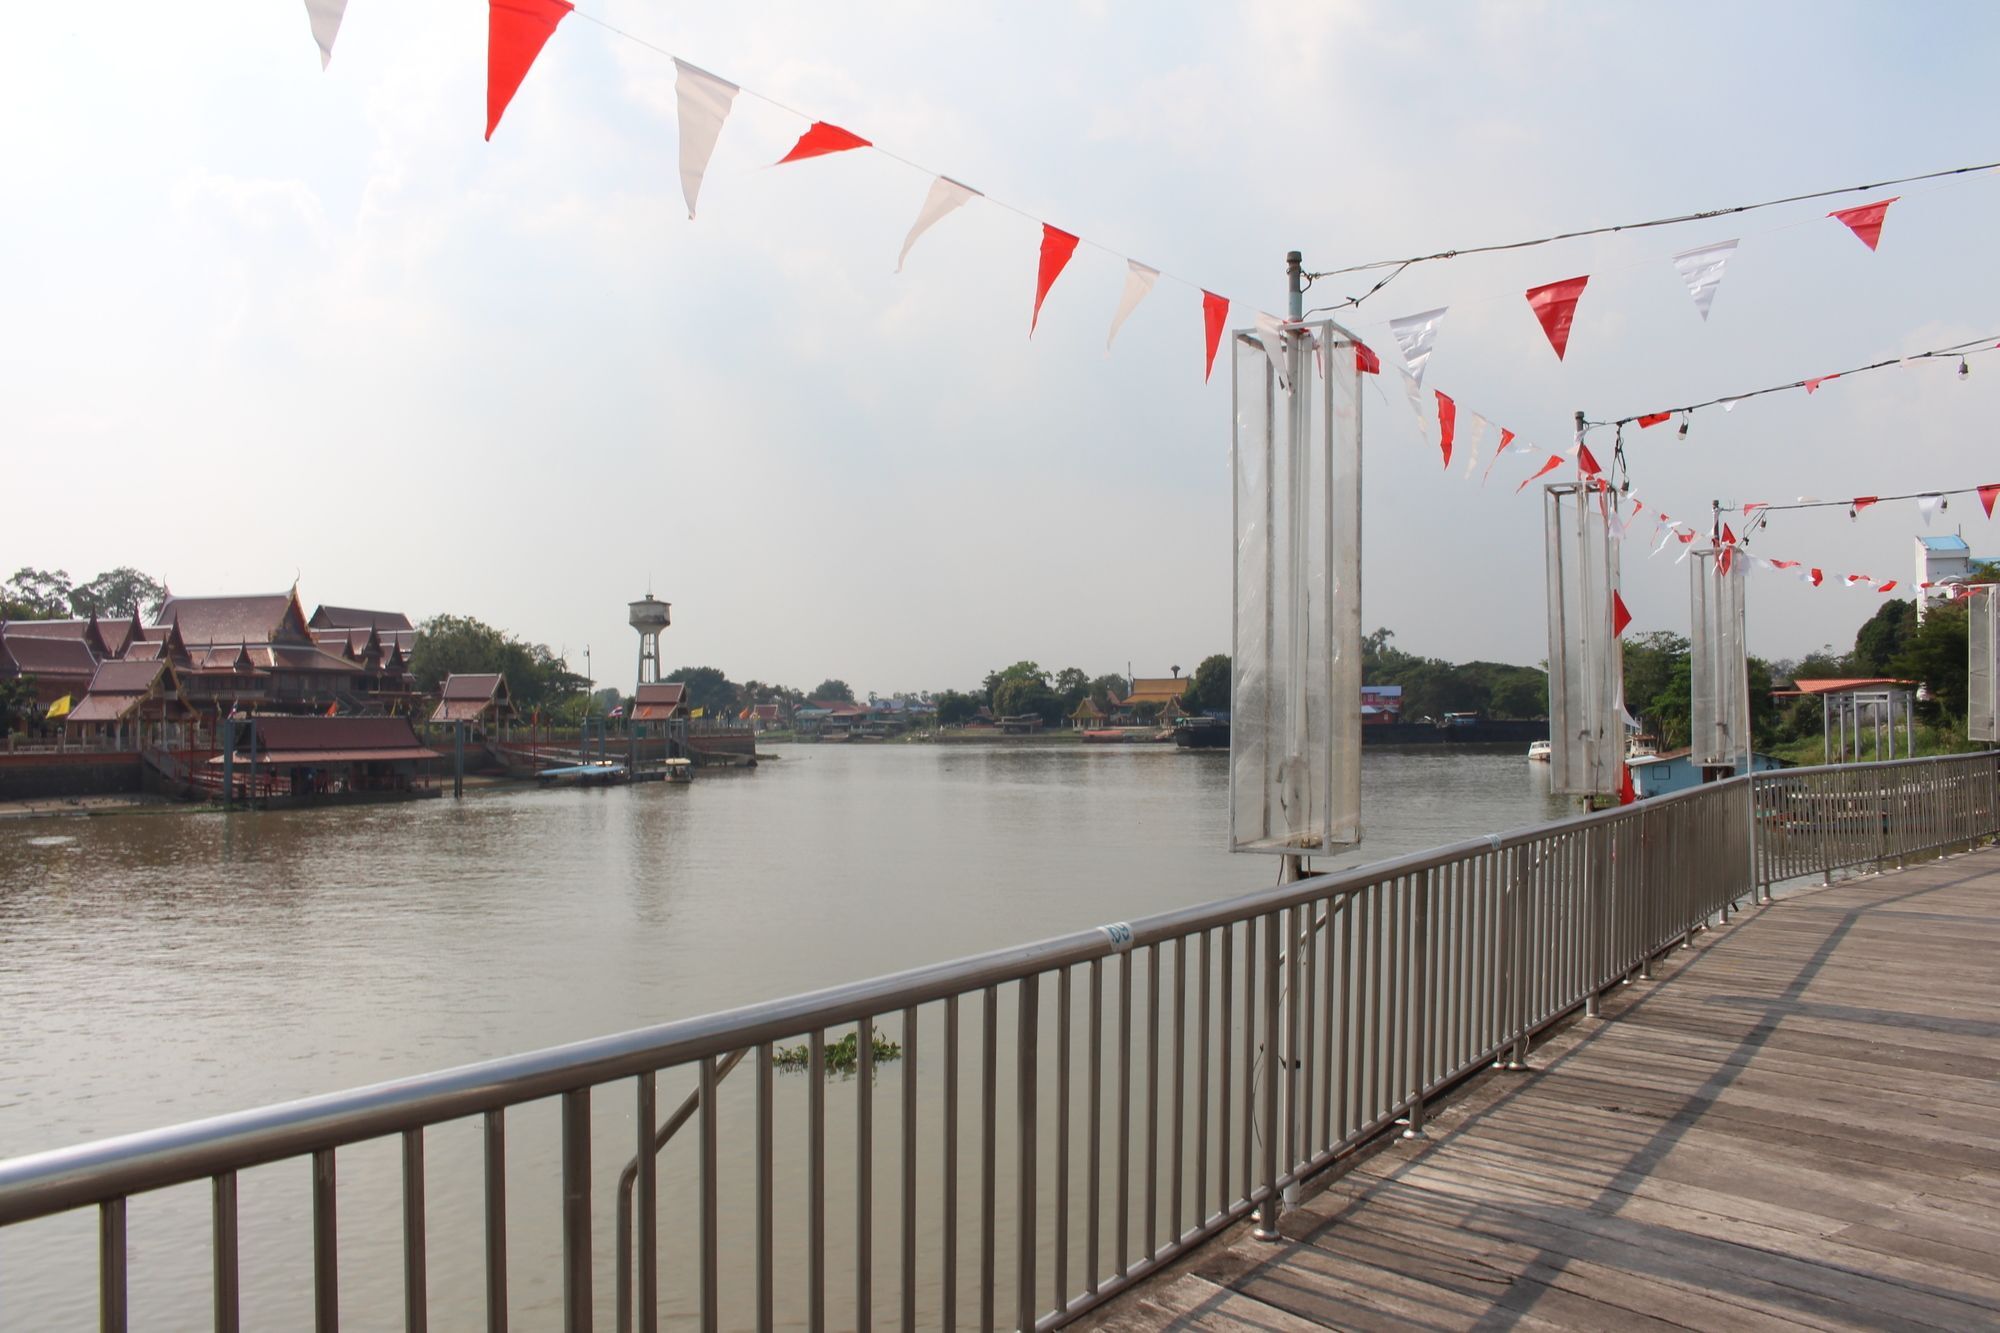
column 1796, row 1125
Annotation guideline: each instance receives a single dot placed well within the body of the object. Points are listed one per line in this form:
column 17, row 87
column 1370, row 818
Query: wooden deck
column 1796, row 1125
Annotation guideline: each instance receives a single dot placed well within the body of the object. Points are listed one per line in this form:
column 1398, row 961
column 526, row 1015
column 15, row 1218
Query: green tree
column 118, row 593
column 1018, row 695
column 1936, row 656
column 1651, row 661
column 1669, row 708
column 956, row 707
column 1883, row 637
column 1522, row 693
column 18, row 708
column 707, row 689
column 1023, row 670
column 834, row 690
column 35, row 594
column 1072, row 684
column 1103, row 688
column 453, row 645
column 1208, row 687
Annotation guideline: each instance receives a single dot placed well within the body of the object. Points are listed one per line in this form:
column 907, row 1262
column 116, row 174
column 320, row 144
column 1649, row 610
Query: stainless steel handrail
column 1377, row 987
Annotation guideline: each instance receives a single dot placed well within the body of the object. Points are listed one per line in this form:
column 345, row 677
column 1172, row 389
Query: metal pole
column 457, row 760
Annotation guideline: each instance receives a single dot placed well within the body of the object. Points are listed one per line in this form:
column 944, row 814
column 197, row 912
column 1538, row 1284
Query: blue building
column 1660, row 774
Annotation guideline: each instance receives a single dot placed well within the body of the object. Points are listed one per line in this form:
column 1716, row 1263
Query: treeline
column 50, row 594
column 1026, row 688
column 1433, row 687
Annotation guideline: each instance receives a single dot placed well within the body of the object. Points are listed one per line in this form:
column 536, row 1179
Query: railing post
column 1420, row 1009
column 1512, row 928
column 1026, row 1058
column 1267, row 1212
column 576, row 1211
column 1593, row 921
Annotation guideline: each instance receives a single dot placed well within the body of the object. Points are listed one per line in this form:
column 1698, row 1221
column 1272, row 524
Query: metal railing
column 1061, row 1119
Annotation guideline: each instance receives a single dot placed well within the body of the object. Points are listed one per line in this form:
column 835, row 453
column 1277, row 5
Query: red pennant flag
column 1057, row 246
column 1627, row 794
column 1728, row 537
column 1555, row 306
column 1725, row 560
column 1887, row 587
column 1654, row 419
column 1865, row 220
column 1365, row 359
column 1555, row 461
column 1818, row 577
column 1987, row 495
column 820, row 139
column 1620, row 617
column 1784, row 564
column 1447, row 424
column 1814, row 383
column 516, row 31
column 1214, row 314
column 1586, row 461
column 1861, row 502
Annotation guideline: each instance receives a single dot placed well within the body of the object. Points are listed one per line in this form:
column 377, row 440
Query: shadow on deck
column 1797, row 1125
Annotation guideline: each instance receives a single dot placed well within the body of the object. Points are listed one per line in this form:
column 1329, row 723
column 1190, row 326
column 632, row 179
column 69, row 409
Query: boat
column 679, row 770
column 1538, row 751
column 1202, row 733
column 598, row 773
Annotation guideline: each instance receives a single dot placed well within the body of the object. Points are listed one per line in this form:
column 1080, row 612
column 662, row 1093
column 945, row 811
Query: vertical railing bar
column 989, row 1116
column 1268, row 1123
column 416, row 1273
column 1326, row 907
column 1122, row 1224
column 1250, row 1059
column 577, row 1308
column 645, row 1114
column 1290, row 941
column 496, row 1220
column 909, row 1257
column 1225, row 1026
column 765, row 1277
column 1306, row 1069
column 111, row 1267
column 1060, row 1277
column 709, row 1286
column 326, row 1245
column 1093, row 1207
column 1177, row 1089
column 864, row 1173
column 816, row 1180
column 1027, row 1058
column 948, row 1226
column 1150, row 1228
column 228, row 1305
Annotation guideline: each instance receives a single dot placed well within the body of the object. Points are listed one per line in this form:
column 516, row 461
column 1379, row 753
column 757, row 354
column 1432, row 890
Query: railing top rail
column 64, row 1178
column 1814, row 770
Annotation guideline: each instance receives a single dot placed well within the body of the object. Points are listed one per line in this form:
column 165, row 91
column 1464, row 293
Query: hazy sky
column 257, row 321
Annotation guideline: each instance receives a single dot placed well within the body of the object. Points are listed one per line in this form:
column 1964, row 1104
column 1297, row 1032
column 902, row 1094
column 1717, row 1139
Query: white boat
column 1538, row 752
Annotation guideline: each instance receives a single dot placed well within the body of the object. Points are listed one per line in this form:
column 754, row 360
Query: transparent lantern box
column 1719, row 706
column 1295, row 696
column 1586, row 663
column 1982, row 665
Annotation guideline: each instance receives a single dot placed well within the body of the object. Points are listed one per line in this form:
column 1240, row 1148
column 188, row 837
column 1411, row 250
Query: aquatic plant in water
column 843, row 1056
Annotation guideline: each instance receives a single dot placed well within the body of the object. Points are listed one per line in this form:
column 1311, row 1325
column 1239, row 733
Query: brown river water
column 160, row 968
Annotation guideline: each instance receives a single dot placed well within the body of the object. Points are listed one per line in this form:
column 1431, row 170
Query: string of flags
column 519, row 30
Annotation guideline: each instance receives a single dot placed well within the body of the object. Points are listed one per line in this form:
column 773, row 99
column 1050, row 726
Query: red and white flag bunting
column 945, row 195
column 1139, row 280
column 1447, row 424
column 704, row 102
column 1554, row 305
column 1271, row 336
column 1057, row 247
column 1865, row 220
column 820, row 139
column 1214, row 314
column 1475, row 435
column 1701, row 269
column 324, row 16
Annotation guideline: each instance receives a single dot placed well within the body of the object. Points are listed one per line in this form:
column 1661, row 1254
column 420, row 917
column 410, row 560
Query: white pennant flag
column 946, row 194
column 704, row 104
column 324, row 15
column 1927, row 505
column 1139, row 280
column 1471, row 432
column 1701, row 269
column 1415, row 393
column 1271, row 335
column 1415, row 334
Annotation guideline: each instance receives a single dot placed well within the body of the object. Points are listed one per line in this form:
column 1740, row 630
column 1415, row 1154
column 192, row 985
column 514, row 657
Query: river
column 161, row 967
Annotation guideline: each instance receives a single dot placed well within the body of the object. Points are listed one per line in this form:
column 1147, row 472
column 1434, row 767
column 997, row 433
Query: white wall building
column 1939, row 560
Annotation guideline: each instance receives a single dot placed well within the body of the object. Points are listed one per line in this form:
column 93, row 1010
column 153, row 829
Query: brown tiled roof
column 253, row 619
column 480, row 685
column 300, row 657
column 1837, row 686
column 278, row 735
column 348, row 617
column 126, row 677
column 103, row 708
column 665, row 692
column 1155, row 690
column 33, row 656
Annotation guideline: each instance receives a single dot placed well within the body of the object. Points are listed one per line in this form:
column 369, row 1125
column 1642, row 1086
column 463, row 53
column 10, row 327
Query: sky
column 262, row 323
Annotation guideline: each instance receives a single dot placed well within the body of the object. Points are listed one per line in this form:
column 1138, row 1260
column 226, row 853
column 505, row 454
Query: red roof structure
column 1844, row 685
column 659, row 702
column 334, row 740
column 122, row 690
column 471, row 697
column 348, row 617
column 260, row 618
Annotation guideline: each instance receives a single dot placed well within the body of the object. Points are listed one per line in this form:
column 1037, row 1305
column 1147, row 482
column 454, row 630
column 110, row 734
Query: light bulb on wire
column 1964, row 370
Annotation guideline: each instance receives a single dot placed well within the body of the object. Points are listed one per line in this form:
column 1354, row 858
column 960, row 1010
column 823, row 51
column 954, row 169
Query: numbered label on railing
column 1119, row 934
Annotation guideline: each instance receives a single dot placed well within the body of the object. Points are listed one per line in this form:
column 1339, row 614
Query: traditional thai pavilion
column 1153, row 699
column 314, row 757
column 61, row 668
column 1088, row 715
column 660, row 702
column 479, row 699
column 137, row 701
column 257, row 651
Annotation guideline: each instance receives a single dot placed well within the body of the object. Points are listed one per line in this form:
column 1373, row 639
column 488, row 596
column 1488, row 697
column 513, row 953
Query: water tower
column 649, row 617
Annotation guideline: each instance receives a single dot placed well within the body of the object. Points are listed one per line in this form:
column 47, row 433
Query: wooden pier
column 1796, row 1124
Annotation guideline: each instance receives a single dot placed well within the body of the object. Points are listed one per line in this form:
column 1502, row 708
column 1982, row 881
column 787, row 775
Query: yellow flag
column 696, row 713
column 60, row 708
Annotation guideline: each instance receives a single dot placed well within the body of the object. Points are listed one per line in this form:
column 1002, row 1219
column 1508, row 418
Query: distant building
column 1941, row 559
column 1659, row 774
column 659, row 701
column 60, row 665
column 479, row 699
column 1381, row 704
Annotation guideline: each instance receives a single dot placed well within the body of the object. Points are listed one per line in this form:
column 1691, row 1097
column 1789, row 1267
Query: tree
column 455, row 645
column 35, row 594
column 1019, row 671
column 834, row 690
column 1018, row 695
column 956, row 707
column 18, row 706
column 1104, row 687
column 1651, row 661
column 1072, row 684
column 1668, row 709
column 1883, row 637
column 118, row 593
column 1523, row 694
column 1208, row 687
column 707, row 689
column 1936, row 655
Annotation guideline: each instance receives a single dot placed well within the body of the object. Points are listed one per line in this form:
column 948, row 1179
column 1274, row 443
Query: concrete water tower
column 649, row 617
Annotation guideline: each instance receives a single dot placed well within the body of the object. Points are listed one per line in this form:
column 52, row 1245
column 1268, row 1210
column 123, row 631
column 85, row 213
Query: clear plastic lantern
column 1295, row 688
column 1982, row 654
column 1586, row 663
column 1719, row 709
